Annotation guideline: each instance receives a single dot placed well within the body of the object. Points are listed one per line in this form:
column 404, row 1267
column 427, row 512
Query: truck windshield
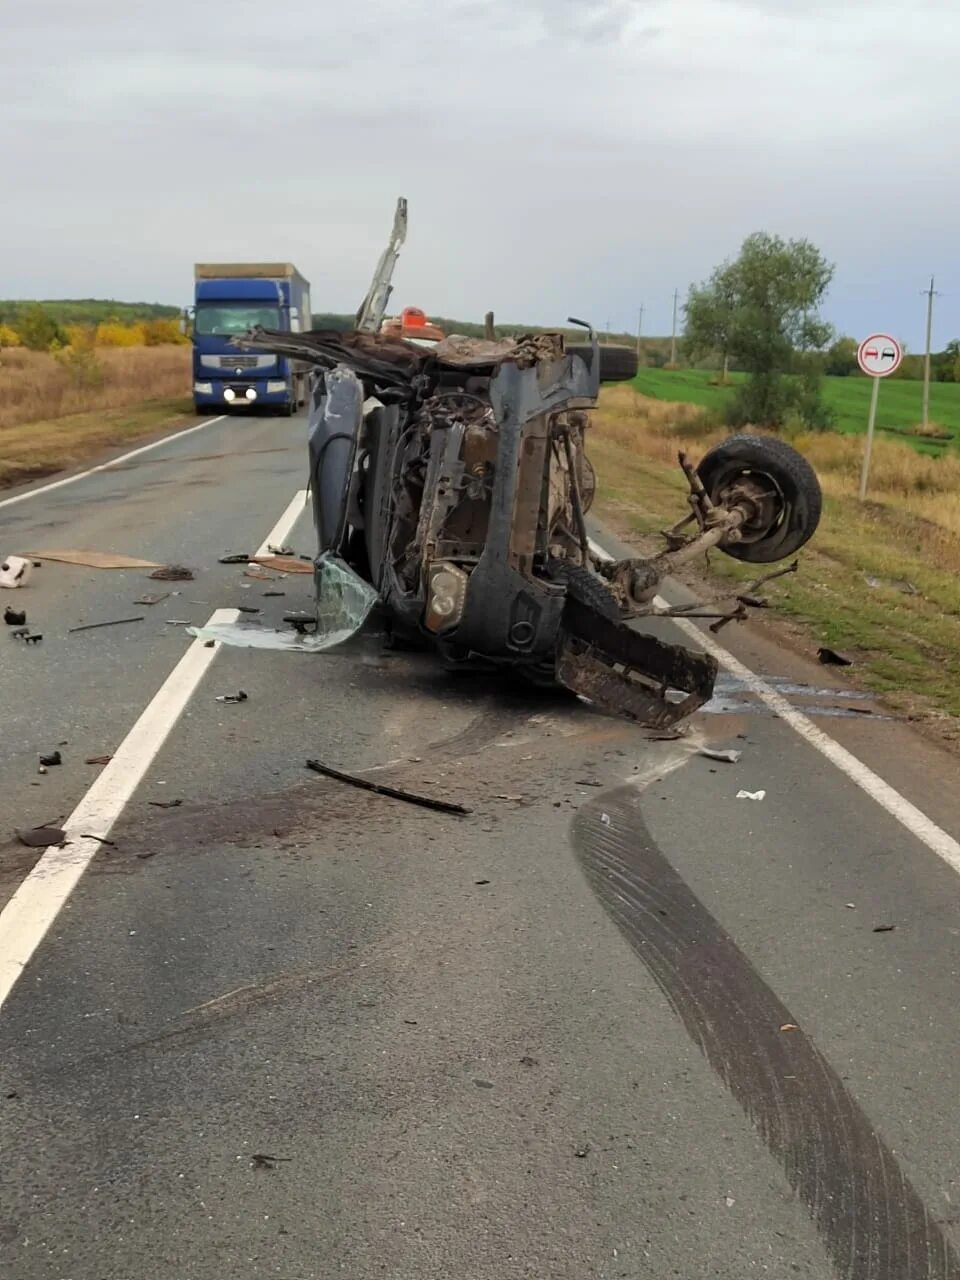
column 231, row 318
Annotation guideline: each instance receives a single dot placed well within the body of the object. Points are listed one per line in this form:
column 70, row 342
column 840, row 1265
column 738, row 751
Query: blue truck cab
column 229, row 299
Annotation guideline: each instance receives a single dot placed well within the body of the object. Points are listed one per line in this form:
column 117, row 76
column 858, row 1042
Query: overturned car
column 454, row 479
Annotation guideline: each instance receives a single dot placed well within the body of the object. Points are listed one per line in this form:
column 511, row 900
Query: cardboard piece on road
column 284, row 564
column 95, row 559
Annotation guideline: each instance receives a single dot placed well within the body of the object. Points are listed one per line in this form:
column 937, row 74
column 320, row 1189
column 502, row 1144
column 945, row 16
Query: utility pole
column 673, row 339
column 931, row 294
column 639, row 330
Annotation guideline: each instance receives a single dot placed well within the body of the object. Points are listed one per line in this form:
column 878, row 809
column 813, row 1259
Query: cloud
column 558, row 154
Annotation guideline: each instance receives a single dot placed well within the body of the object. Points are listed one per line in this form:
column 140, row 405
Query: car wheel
column 782, row 486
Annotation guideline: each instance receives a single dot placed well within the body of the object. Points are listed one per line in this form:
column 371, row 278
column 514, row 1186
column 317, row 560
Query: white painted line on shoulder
column 278, row 536
column 907, row 814
column 105, row 466
column 31, row 911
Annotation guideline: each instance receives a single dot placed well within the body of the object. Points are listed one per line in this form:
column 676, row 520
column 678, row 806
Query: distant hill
column 87, row 311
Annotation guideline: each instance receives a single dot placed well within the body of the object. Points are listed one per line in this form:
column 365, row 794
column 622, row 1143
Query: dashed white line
column 898, row 806
column 31, row 911
column 105, row 466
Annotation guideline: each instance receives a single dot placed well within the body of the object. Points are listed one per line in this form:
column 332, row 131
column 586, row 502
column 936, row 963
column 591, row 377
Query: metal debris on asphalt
column 789, row 1026
column 14, row 617
column 113, row 622
column 173, row 573
column 165, row 804
column 268, row 594
column 751, row 795
column 54, row 758
column 830, row 658
column 395, row 793
column 260, row 1161
column 42, row 837
column 98, row 759
column 239, row 696
column 605, row 819
column 279, row 551
column 247, row 608
column 156, row 598
column 234, row 557
column 726, row 757
column 884, row 928
column 582, row 1151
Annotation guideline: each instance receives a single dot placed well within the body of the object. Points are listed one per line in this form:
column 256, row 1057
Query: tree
column 841, row 358
column 762, row 311
column 38, row 330
column 709, row 312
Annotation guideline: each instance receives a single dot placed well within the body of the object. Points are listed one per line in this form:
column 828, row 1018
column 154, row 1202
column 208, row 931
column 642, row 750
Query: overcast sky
column 559, row 156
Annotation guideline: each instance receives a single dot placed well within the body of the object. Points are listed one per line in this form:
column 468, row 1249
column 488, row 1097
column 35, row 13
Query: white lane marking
column 105, row 466
column 278, row 536
column 31, row 911
column 898, row 806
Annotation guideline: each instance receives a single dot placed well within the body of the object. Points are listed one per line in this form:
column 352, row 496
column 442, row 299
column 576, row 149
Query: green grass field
column 849, row 398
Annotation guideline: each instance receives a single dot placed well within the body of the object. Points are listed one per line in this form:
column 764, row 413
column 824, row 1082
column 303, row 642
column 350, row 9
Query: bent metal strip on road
column 105, row 466
column 38, row 901
column 898, row 806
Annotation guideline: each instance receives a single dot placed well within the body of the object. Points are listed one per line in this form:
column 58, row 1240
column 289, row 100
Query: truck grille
column 238, row 362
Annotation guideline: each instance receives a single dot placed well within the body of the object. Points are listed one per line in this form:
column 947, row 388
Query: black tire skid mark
column 872, row 1221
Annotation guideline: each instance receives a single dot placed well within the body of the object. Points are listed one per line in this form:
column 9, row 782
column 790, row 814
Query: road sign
column 879, row 355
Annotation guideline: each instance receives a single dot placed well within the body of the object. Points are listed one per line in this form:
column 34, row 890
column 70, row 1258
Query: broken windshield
column 230, row 319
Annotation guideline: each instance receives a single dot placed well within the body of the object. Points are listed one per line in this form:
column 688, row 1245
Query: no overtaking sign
column 879, row 355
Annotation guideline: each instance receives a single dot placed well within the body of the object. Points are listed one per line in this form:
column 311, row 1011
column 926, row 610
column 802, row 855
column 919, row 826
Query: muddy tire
column 586, row 588
column 794, row 509
column 617, row 364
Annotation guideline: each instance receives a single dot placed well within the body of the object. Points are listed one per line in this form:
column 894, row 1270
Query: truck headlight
column 203, row 388
column 250, row 394
column 446, row 596
column 229, row 394
column 274, row 388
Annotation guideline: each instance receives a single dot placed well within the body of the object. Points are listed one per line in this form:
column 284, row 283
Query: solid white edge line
column 907, row 814
column 105, row 466
column 28, row 915
column 281, row 531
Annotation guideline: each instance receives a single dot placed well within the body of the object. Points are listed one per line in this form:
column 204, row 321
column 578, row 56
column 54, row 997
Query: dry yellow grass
column 36, row 387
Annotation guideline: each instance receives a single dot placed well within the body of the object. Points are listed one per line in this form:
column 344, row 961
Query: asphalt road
column 613, row 1023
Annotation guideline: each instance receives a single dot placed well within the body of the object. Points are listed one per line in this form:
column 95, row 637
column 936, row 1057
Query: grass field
column 899, row 404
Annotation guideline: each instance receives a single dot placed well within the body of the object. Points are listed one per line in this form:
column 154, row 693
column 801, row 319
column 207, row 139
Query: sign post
column 878, row 357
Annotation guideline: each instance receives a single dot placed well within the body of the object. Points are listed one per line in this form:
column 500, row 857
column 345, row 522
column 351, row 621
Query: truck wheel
column 784, row 487
column 617, row 363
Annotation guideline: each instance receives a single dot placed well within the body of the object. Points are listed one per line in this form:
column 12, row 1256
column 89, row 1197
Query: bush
column 39, row 331
column 158, row 333
column 81, row 365
column 111, row 333
column 8, row 336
